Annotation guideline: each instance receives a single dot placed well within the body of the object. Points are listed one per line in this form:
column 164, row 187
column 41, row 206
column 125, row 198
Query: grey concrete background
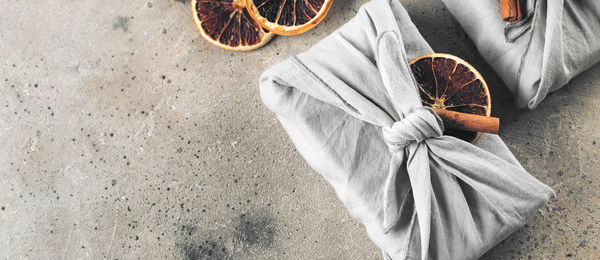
column 125, row 135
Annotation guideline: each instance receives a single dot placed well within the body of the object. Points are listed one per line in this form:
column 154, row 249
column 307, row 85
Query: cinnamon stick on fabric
column 469, row 122
column 511, row 10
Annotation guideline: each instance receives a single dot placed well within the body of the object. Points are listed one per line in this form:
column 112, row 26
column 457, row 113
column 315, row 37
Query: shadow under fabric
column 351, row 107
column 556, row 41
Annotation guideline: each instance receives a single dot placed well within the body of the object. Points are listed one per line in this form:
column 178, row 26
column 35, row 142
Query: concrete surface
column 125, row 135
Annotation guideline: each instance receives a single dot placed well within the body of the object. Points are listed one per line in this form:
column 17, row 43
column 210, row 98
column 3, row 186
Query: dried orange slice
column 227, row 24
column 448, row 82
column 288, row 17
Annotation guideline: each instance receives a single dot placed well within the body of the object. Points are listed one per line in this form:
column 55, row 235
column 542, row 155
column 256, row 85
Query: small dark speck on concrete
column 3, row 208
column 164, row 31
column 113, row 182
column 149, row 4
column 255, row 230
column 163, row 77
column 182, row 1
column 122, row 23
column 188, row 229
column 208, row 249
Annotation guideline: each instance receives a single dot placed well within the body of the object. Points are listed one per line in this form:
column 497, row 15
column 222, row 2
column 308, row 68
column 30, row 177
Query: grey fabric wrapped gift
column 351, row 107
column 556, row 40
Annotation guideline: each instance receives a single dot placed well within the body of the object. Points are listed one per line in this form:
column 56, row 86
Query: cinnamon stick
column 469, row 122
column 511, row 10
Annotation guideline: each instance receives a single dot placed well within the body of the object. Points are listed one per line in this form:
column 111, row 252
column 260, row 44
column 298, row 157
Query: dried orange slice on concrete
column 448, row 82
column 227, row 24
column 288, row 17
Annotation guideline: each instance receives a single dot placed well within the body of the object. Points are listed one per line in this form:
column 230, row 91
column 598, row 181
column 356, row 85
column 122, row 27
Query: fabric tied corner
column 420, row 124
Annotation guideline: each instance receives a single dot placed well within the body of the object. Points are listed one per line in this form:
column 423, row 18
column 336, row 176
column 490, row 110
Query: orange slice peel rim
column 241, row 48
column 458, row 60
column 288, row 30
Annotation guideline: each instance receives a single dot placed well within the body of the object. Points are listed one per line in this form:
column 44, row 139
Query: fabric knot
column 417, row 126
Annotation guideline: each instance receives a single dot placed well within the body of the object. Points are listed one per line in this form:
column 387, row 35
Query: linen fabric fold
column 350, row 105
column 555, row 41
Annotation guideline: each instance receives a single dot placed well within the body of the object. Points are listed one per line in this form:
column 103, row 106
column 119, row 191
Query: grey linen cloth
column 556, row 40
column 351, row 107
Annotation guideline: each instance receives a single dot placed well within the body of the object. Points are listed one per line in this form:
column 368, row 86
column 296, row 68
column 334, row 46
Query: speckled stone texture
column 125, row 135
